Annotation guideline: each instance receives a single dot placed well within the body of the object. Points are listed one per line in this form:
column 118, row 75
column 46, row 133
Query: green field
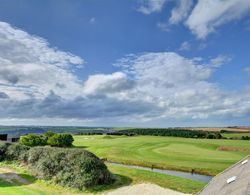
column 202, row 155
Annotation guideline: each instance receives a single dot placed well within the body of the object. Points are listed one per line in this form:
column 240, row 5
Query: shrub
column 33, row 140
column 3, row 149
column 61, row 140
column 245, row 138
column 49, row 138
column 17, row 152
column 69, row 167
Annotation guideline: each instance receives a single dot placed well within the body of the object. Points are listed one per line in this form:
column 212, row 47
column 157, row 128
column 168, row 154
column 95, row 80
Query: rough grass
column 202, row 155
column 166, row 181
column 124, row 176
column 37, row 186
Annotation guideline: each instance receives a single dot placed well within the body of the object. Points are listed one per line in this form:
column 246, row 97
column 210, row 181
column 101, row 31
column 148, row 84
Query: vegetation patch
column 173, row 132
column 234, row 149
column 69, row 167
column 166, row 181
column 49, row 138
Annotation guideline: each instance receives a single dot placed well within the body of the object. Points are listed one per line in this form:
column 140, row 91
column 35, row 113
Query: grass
column 42, row 187
column 34, row 187
column 202, row 155
column 166, row 181
column 124, row 176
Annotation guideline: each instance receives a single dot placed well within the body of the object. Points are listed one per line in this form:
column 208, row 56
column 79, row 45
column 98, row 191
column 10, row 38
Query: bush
column 33, row 140
column 69, row 167
column 61, row 140
column 17, row 152
column 245, row 138
column 3, row 149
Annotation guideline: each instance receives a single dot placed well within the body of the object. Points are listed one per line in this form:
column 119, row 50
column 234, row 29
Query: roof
column 233, row 181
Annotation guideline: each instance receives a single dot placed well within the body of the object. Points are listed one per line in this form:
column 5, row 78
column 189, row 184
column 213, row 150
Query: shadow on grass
column 10, row 179
column 80, row 147
column 120, row 180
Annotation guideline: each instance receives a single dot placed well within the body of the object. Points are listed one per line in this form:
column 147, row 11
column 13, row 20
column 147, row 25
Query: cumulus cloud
column 38, row 81
column 207, row 15
column 105, row 84
column 181, row 11
column 180, row 86
column 29, row 62
column 203, row 17
column 150, row 6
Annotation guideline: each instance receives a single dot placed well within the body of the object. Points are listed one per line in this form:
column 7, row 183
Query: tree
column 49, row 134
column 33, row 140
column 61, row 140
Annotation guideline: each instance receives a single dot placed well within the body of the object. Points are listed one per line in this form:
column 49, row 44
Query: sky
column 145, row 63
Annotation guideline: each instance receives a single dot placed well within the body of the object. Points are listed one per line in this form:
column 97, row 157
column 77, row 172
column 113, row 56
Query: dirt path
column 144, row 189
column 9, row 175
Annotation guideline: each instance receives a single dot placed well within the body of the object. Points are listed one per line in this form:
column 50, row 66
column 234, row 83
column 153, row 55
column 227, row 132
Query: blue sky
column 125, row 63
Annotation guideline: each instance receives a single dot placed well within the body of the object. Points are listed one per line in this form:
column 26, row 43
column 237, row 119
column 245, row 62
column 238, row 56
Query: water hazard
column 187, row 175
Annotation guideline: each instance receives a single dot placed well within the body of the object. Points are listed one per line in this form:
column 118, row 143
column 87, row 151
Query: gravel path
column 144, row 189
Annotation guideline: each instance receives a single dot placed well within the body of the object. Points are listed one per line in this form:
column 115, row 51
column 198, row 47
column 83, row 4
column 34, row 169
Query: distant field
column 235, row 135
column 202, row 155
column 236, row 129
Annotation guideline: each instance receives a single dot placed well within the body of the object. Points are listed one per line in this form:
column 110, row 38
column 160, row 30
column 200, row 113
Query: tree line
column 169, row 132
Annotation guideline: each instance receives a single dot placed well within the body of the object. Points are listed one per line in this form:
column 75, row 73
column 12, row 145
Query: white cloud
column 106, row 84
column 151, row 6
column 181, row 87
column 210, row 14
column 30, row 67
column 185, row 46
column 181, row 11
column 37, row 81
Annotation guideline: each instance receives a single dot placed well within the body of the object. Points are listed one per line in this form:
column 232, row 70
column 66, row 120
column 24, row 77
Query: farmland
column 202, row 155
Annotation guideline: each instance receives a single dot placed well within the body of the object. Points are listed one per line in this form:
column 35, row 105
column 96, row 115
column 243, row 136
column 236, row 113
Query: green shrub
column 17, row 152
column 61, row 140
column 245, row 138
column 69, row 167
column 3, row 149
column 33, row 140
